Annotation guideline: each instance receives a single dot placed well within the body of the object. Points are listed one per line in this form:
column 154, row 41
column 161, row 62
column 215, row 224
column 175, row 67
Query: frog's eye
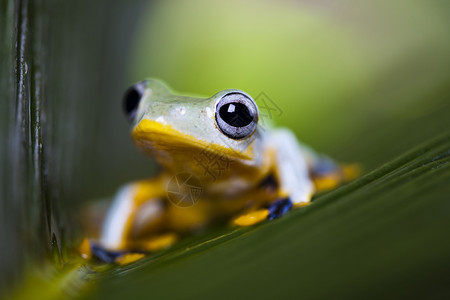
column 132, row 98
column 236, row 115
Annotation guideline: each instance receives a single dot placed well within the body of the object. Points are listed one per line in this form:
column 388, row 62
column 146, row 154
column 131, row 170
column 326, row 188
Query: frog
column 219, row 164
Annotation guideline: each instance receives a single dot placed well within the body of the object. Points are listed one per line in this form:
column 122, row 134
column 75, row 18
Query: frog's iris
column 236, row 115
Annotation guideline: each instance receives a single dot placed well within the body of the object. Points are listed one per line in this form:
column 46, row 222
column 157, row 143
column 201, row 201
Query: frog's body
column 215, row 154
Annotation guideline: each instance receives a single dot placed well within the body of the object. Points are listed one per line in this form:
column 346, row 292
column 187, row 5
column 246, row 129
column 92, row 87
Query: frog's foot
column 105, row 255
column 328, row 179
column 157, row 243
column 272, row 211
column 89, row 249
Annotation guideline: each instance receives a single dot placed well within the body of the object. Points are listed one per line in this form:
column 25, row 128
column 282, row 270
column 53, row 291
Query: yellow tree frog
column 218, row 164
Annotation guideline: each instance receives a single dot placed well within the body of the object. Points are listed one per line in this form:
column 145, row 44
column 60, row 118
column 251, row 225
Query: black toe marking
column 279, row 208
column 104, row 255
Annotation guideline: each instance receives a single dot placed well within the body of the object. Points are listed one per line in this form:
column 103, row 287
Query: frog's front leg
column 137, row 208
column 291, row 168
column 294, row 185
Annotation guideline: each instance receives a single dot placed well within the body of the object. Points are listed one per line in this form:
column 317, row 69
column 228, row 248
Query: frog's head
column 178, row 130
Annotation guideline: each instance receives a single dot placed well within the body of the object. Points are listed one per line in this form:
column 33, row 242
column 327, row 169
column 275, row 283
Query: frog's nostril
column 182, row 110
column 132, row 98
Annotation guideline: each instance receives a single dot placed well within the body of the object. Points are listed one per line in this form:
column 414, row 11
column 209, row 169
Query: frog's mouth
column 166, row 142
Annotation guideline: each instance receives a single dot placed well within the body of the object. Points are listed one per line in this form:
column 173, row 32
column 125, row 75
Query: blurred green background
column 361, row 81
column 350, row 77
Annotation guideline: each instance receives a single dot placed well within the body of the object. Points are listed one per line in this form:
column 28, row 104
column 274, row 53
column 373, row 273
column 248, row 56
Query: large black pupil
column 236, row 114
column 131, row 102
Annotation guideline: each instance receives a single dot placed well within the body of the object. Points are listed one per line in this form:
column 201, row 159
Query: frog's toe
column 279, row 208
column 330, row 179
column 252, row 217
column 351, row 171
column 128, row 258
column 159, row 242
column 84, row 249
column 327, row 182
